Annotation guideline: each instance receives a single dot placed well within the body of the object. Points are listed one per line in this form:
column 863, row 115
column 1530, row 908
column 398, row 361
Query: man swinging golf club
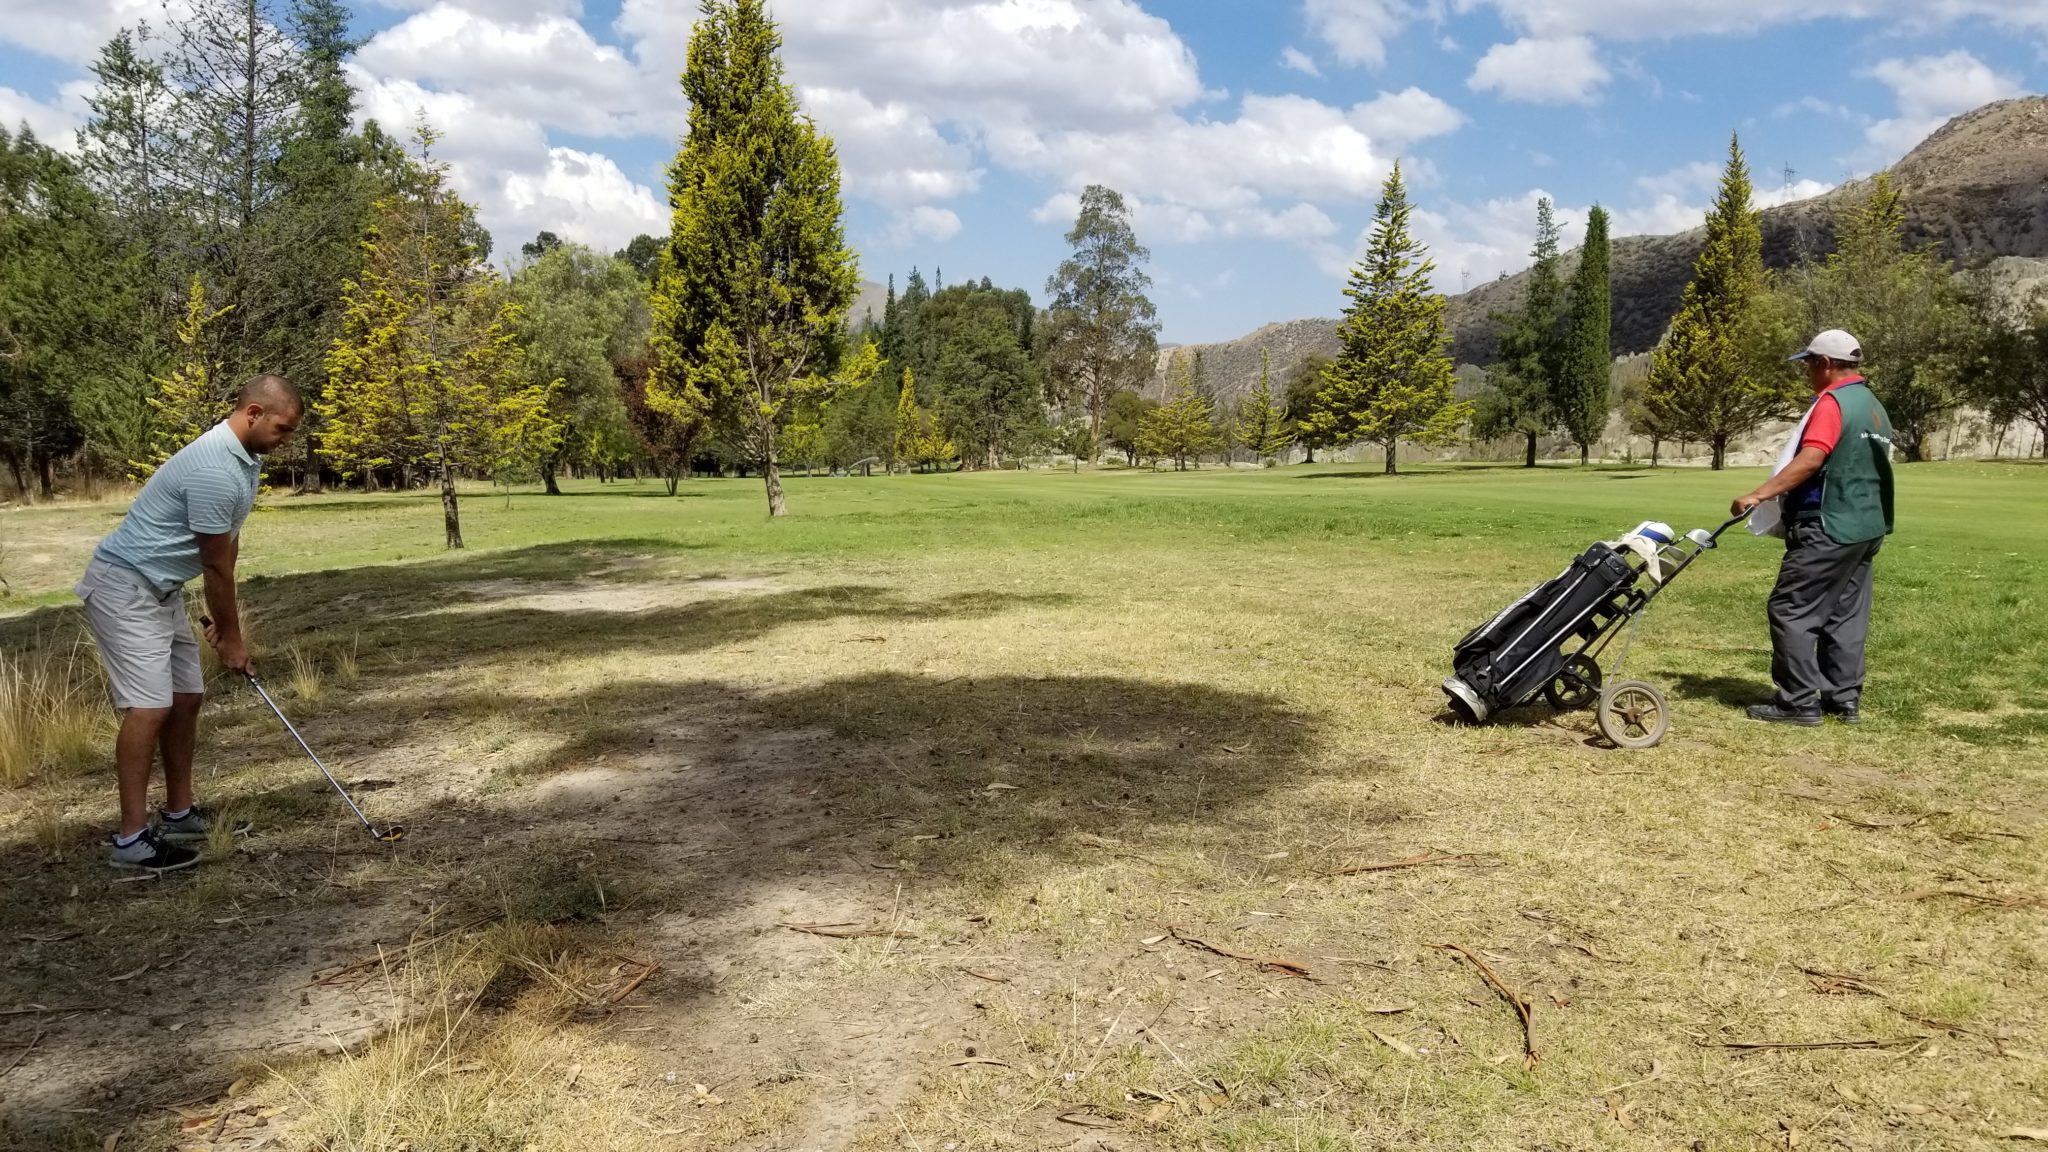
column 187, row 522
column 1833, row 493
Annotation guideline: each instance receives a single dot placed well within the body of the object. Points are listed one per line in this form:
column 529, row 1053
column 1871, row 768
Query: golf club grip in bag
column 1509, row 659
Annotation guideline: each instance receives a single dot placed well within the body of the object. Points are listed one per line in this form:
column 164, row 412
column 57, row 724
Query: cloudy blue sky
column 1252, row 137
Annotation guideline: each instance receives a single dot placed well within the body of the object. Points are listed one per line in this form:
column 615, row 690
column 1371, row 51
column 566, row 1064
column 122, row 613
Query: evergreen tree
column 1262, row 418
column 427, row 374
column 1100, row 335
column 1184, row 427
column 1304, row 384
column 197, row 393
column 1584, row 377
column 919, row 440
column 62, row 310
column 1917, row 327
column 1122, row 425
column 750, row 307
column 1704, row 384
column 1393, row 380
column 860, row 427
column 1522, row 386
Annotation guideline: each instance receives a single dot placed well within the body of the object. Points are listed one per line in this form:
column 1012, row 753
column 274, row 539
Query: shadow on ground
column 713, row 803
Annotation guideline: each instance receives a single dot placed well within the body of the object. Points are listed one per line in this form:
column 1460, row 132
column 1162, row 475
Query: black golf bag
column 1506, row 661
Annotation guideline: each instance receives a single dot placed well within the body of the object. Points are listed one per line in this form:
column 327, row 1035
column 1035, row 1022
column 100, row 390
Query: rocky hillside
column 1978, row 187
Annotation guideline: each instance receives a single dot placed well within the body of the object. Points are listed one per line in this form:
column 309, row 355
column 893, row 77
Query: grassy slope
column 1210, row 670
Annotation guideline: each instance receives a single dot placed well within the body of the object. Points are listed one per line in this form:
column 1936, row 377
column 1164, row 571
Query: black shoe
column 149, row 853
column 1846, row 713
column 1775, row 713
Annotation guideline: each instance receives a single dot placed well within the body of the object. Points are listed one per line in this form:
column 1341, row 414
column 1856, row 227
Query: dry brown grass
column 54, row 720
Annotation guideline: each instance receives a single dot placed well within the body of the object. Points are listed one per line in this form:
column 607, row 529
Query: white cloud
column 74, row 30
column 1295, row 58
column 1564, row 70
column 1801, row 189
column 55, row 124
column 923, row 222
column 1406, row 116
column 1356, row 30
column 1929, row 90
column 891, row 153
column 581, row 195
column 1668, row 19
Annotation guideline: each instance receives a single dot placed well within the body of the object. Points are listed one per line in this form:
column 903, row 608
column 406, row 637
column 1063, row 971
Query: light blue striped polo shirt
column 206, row 489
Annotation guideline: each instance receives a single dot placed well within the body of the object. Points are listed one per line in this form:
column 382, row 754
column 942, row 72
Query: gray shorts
column 145, row 640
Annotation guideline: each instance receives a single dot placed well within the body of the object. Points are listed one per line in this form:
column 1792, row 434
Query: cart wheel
column 1576, row 686
column 1633, row 714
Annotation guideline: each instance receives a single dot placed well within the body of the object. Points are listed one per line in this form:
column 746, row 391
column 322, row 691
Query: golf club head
column 391, row 833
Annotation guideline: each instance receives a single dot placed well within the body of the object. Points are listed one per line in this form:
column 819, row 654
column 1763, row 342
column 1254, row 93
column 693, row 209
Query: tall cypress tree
column 1520, row 398
column 1392, row 382
column 1580, row 400
column 1701, row 386
column 750, row 309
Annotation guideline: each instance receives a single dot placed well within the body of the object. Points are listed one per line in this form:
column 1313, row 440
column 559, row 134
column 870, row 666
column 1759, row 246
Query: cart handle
column 1730, row 524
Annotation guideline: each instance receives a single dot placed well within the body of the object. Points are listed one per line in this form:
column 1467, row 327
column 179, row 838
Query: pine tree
column 1520, row 398
column 1304, row 384
column 1703, row 384
column 1393, row 380
column 1101, row 333
column 1262, row 418
column 750, row 307
column 918, row 439
column 1585, row 374
column 196, row 394
column 427, row 373
column 1918, row 330
column 1184, row 427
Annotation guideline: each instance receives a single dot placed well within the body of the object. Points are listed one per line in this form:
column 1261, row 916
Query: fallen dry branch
column 850, row 931
column 647, row 968
column 1416, row 861
column 991, row 977
column 1815, row 1045
column 1264, row 963
column 1838, row 984
column 1883, row 825
column 31, row 1009
column 16, row 1062
column 1514, row 999
column 1981, row 898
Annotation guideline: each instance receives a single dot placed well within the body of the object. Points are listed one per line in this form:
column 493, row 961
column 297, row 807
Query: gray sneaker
column 149, row 853
column 194, row 826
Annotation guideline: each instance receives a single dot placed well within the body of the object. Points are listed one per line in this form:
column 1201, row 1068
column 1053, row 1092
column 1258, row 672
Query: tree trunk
column 450, row 519
column 1655, row 443
column 1529, row 456
column 1583, row 456
column 314, row 481
column 1720, row 449
column 547, row 475
column 1308, row 454
column 46, row 475
column 1392, row 446
column 673, row 478
column 14, row 466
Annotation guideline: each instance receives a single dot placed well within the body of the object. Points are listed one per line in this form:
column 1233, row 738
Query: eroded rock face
column 1978, row 188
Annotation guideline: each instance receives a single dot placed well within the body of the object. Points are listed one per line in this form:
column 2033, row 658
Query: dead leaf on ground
column 1617, row 1111
column 1000, row 788
column 2040, row 1134
column 989, row 1060
column 1847, row 1093
column 128, row 975
column 1083, row 1119
column 1394, row 1042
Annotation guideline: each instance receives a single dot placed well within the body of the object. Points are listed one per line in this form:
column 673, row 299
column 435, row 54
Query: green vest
column 1856, row 480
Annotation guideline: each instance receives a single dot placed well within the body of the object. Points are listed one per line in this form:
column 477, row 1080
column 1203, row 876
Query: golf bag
column 1506, row 661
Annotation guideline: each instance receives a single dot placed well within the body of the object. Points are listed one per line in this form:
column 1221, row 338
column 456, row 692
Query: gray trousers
column 1820, row 618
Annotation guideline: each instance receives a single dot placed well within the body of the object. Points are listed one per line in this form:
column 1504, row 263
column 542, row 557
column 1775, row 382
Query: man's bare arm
column 217, row 556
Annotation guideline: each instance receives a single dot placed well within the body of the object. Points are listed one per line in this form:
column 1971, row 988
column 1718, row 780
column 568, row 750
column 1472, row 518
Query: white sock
column 129, row 840
column 180, row 814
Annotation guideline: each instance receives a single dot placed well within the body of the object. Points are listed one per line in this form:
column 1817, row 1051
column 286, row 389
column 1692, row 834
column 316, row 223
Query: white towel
column 1769, row 517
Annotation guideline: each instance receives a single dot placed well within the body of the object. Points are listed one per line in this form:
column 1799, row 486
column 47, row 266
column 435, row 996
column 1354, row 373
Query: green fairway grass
column 1036, row 723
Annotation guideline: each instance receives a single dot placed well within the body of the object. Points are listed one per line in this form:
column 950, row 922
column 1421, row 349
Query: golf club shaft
column 258, row 685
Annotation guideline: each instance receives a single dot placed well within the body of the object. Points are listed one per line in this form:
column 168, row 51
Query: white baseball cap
column 1836, row 345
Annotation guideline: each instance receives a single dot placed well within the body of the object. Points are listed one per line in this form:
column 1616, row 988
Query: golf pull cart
column 1550, row 642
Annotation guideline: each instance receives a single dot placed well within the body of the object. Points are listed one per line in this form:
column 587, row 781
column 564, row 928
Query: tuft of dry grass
column 53, row 716
column 308, row 682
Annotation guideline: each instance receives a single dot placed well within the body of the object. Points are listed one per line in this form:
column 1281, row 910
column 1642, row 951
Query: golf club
column 389, row 832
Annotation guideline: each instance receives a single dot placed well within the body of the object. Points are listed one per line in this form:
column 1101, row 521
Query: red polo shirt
column 1824, row 427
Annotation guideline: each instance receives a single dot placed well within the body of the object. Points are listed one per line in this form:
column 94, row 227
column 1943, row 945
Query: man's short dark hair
column 270, row 390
